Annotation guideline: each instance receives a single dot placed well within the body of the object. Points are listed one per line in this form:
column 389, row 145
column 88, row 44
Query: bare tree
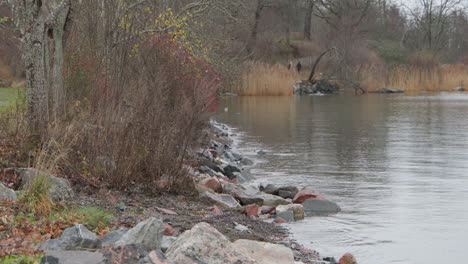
column 431, row 19
column 308, row 18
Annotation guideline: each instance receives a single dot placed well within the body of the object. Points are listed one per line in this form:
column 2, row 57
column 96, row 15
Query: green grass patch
column 94, row 218
column 21, row 259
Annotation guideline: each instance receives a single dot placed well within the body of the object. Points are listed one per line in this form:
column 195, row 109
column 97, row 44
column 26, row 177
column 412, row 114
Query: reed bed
column 260, row 79
column 416, row 79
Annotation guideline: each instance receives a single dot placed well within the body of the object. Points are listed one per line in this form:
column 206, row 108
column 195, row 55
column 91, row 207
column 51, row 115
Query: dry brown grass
column 260, row 79
column 415, row 79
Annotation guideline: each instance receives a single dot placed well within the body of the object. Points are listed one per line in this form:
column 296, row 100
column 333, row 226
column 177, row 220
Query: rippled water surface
column 397, row 165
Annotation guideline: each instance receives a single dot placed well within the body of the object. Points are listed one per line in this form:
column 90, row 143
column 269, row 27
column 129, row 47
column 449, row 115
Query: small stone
column 215, row 210
column 251, row 210
column 166, row 211
column 241, row 228
column 168, row 230
column 280, row 220
column 264, row 253
column 347, row 258
column 261, row 152
column 331, row 260
column 296, row 209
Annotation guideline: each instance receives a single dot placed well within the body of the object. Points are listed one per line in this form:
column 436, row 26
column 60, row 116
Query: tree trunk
column 308, row 19
column 42, row 26
column 253, row 34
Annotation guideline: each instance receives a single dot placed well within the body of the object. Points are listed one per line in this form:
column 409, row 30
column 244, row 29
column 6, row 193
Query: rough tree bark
column 308, row 19
column 43, row 26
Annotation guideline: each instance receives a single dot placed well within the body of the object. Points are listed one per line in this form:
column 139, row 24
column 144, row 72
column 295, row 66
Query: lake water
column 396, row 164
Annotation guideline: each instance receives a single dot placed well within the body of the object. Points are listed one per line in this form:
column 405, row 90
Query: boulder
column 73, row 238
column 166, row 242
column 229, row 171
column 148, row 233
column 293, row 189
column 212, row 183
column 72, row 257
column 246, row 195
column 273, row 200
column 285, row 194
column 7, row 194
column 347, row 258
column 59, row 190
column 459, row 89
column 204, row 244
column 208, row 171
column 270, row 189
column 306, row 194
column 296, row 209
column 223, row 200
column 113, row 236
column 264, row 253
column 320, row 207
column 288, row 216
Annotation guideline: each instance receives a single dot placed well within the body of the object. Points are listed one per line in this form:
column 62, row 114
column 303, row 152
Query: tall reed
column 415, row 78
column 261, row 79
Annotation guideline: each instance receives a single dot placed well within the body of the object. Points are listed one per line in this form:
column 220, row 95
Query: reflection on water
column 397, row 165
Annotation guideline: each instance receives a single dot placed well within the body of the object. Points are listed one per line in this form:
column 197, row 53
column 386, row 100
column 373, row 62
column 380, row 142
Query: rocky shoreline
column 232, row 220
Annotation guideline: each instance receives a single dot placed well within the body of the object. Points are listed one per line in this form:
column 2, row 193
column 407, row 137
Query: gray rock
column 264, row 253
column 148, row 233
column 245, row 195
column 273, row 200
column 208, row 171
column 7, row 194
column 270, row 189
column 286, row 215
column 293, row 189
column 285, row 194
column 73, row 238
column 224, row 200
column 320, row 207
column 296, row 209
column 459, row 89
column 167, row 241
column 388, row 90
column 229, row 94
column 59, row 190
column 112, row 237
column 229, row 171
column 240, row 177
column 204, row 244
column 72, row 257
column 261, row 152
